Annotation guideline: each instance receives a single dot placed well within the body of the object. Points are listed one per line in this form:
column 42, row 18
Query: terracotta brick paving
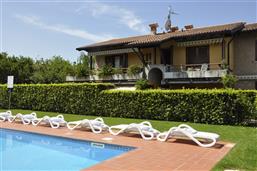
column 148, row 155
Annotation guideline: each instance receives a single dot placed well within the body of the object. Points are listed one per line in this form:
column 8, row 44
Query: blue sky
column 43, row 28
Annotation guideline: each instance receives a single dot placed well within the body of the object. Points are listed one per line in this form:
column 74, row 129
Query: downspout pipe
column 234, row 33
column 228, row 47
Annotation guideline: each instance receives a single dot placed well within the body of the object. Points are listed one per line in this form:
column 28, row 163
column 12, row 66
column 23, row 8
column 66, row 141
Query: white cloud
column 124, row 16
column 36, row 21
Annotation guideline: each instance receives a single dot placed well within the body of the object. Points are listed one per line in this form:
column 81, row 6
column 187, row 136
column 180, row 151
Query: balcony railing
column 191, row 70
column 213, row 70
column 118, row 74
column 192, row 67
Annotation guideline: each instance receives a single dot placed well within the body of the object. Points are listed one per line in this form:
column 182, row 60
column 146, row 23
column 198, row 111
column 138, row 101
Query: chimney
column 189, row 27
column 174, row 29
column 153, row 28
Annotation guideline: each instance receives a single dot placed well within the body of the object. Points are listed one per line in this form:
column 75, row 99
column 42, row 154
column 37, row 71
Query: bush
column 202, row 106
column 229, row 81
column 134, row 70
column 231, row 107
column 142, row 84
column 118, row 71
column 106, row 70
column 67, row 98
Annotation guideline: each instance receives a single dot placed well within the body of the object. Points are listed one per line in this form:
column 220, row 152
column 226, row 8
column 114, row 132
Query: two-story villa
column 189, row 57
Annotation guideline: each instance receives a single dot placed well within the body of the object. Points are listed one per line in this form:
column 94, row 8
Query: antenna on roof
column 168, row 21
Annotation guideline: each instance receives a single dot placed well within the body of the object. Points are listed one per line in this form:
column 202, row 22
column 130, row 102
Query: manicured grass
column 243, row 156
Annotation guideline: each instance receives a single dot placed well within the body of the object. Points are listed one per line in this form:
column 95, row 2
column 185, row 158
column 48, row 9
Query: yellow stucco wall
column 179, row 54
column 215, row 52
column 133, row 59
column 215, row 55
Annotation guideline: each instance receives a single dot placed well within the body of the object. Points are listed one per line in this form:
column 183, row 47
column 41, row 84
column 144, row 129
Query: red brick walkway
column 149, row 155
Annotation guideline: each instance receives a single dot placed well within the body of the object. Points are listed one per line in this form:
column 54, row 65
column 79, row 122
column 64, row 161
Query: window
column 124, row 61
column 117, row 61
column 255, row 85
column 148, row 58
column 197, row 55
column 255, row 50
column 167, row 56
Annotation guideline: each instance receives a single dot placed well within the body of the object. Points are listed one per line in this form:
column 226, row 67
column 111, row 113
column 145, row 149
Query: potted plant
column 105, row 71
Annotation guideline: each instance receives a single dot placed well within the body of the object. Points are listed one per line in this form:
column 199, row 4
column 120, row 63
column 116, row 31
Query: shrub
column 67, row 98
column 203, row 106
column 106, row 70
column 229, row 81
column 142, row 84
column 134, row 69
column 117, row 71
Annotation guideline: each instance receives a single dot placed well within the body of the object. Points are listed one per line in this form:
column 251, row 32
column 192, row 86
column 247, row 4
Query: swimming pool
column 30, row 151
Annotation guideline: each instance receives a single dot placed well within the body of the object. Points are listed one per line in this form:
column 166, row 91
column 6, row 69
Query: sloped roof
column 158, row 38
column 250, row 27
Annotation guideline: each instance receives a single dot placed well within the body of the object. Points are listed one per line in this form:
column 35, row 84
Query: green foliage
column 82, row 68
column 202, row 106
column 25, row 70
column 52, row 71
column 20, row 67
column 118, row 71
column 134, row 69
column 142, row 84
column 231, row 107
column 229, row 81
column 67, row 98
column 106, row 70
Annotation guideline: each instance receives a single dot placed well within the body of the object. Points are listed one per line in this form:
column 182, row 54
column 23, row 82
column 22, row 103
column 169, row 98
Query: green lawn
column 243, row 156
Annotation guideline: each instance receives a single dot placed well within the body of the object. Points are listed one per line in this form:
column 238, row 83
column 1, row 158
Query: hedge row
column 203, row 106
column 66, row 98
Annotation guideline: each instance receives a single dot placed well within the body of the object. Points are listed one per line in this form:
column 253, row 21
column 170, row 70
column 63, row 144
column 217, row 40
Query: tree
column 20, row 67
column 229, row 81
column 82, row 67
column 52, row 70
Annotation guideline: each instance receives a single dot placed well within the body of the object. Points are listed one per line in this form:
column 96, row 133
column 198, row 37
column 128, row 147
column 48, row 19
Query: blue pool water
column 29, row 151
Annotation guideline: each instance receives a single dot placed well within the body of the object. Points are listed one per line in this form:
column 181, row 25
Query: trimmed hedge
column 66, row 98
column 204, row 106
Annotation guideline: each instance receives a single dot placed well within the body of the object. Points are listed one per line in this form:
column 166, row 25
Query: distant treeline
column 54, row 70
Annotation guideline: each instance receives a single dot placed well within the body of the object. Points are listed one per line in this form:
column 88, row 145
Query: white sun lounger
column 25, row 119
column 145, row 129
column 97, row 125
column 185, row 131
column 54, row 122
column 4, row 116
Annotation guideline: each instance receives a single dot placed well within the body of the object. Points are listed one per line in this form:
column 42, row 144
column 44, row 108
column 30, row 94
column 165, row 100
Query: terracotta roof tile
column 250, row 27
column 158, row 38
